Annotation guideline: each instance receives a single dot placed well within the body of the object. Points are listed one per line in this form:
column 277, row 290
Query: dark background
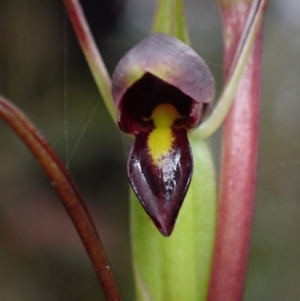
column 43, row 71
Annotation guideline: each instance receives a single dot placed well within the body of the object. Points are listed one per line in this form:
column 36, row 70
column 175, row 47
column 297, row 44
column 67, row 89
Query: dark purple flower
column 162, row 89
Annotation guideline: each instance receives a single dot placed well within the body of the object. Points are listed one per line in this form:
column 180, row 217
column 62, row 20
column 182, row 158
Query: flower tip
column 166, row 226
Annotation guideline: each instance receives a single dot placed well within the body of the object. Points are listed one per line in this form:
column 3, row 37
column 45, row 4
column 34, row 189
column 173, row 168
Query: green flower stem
column 91, row 53
column 237, row 68
column 170, row 19
column 66, row 190
column 178, row 267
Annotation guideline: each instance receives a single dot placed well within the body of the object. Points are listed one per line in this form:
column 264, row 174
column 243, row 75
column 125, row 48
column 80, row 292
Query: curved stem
column 66, row 190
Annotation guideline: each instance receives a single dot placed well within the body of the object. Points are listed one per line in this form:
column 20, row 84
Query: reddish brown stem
column 239, row 166
column 66, row 190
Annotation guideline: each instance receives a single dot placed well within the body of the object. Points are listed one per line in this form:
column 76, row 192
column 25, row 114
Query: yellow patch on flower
column 161, row 138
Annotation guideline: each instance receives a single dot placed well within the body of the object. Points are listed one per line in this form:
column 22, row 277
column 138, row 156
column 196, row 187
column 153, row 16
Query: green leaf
column 178, row 267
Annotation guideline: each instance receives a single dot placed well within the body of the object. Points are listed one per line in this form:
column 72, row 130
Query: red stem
column 66, row 190
column 239, row 167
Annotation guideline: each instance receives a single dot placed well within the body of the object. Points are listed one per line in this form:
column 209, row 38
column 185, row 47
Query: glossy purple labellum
column 162, row 89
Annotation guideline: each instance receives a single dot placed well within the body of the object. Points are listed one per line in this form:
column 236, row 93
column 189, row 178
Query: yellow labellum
column 160, row 140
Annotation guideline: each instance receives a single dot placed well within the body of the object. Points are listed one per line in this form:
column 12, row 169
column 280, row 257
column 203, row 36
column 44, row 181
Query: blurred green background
column 43, row 71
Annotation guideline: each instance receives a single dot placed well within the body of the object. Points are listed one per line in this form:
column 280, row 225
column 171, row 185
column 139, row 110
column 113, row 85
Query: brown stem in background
column 239, row 163
column 66, row 190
